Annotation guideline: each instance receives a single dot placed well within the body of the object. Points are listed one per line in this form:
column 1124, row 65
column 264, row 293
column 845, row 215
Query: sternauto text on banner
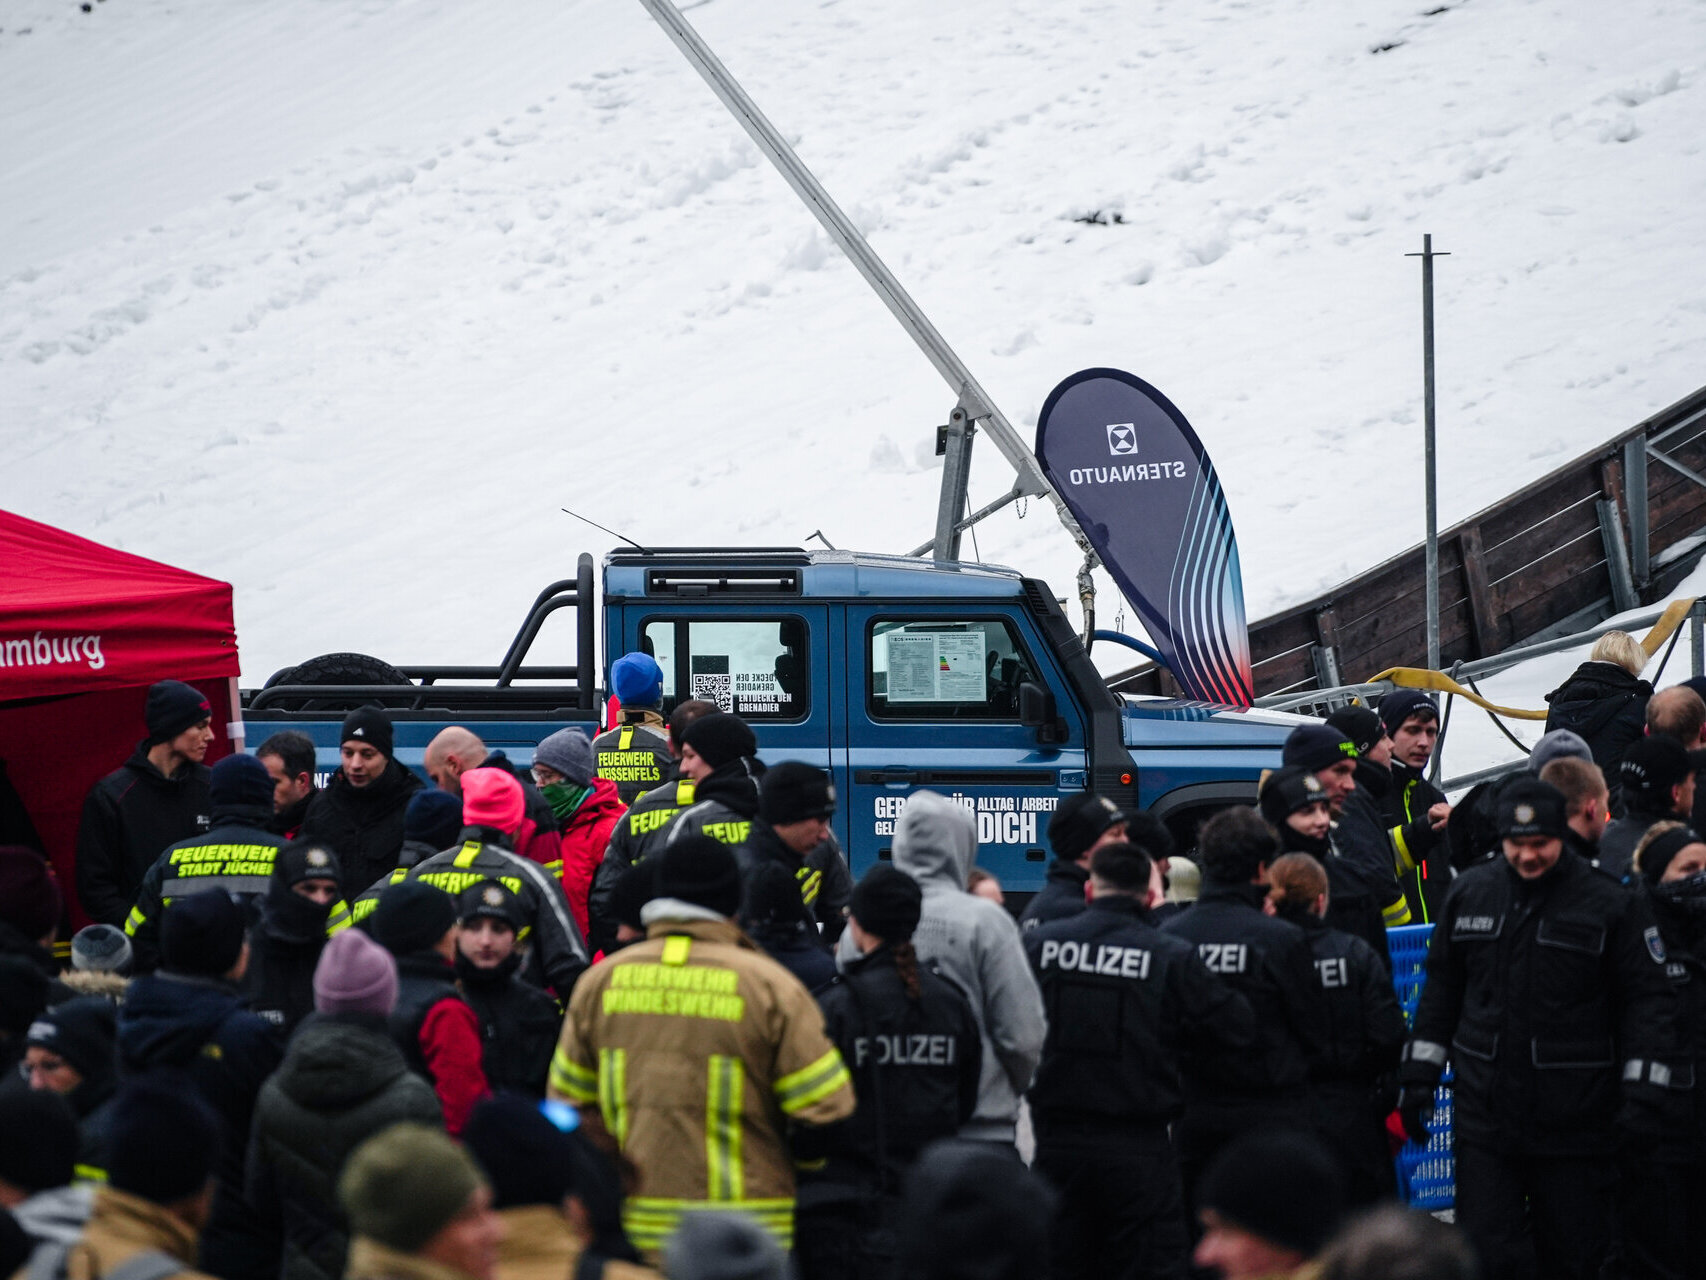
column 1143, row 489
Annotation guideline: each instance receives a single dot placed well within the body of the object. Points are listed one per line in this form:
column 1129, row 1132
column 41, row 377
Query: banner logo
column 1122, row 438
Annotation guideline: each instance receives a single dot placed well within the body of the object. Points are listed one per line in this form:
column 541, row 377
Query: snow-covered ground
column 342, row 300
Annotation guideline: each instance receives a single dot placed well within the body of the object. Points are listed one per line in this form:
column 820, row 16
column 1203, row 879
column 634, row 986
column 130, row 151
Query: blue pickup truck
column 894, row 673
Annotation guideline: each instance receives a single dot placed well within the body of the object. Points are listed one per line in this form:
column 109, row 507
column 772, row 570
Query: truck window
column 758, row 668
column 944, row 669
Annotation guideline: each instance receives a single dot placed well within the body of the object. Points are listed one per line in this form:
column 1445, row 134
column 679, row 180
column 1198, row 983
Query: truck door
column 933, row 702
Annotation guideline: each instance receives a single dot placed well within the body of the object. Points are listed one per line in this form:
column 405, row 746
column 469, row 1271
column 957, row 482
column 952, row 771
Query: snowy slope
column 341, row 300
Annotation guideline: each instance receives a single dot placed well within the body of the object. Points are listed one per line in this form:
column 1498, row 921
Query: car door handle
column 883, row 777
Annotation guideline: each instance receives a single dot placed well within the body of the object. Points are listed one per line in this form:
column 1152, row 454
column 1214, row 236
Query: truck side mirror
column 1036, row 710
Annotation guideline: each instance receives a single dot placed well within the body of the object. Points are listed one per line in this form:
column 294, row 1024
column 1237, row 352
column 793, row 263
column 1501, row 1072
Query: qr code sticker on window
column 717, row 688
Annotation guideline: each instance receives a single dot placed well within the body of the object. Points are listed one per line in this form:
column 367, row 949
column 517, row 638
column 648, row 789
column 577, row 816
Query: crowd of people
column 625, row 1012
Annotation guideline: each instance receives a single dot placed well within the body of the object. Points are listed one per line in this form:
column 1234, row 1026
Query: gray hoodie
column 976, row 944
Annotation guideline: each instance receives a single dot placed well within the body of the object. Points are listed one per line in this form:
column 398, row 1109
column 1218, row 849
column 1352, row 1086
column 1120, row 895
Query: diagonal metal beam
column 1677, row 467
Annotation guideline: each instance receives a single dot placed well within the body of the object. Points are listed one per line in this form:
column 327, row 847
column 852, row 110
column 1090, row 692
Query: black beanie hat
column 1662, row 851
column 1282, row 1186
column 1285, row 791
column 202, row 934
column 369, row 725
column 172, row 707
column 492, row 899
column 1317, row 746
column 411, row 915
column 1650, row 768
column 1399, row 705
column 634, row 888
column 1079, row 822
column 720, row 738
column 969, row 1211
column 794, row 791
column 1360, row 725
column 433, row 817
column 240, row 782
column 162, row 1139
column 38, row 1139
column 82, row 1031
column 307, row 860
column 888, row 903
column 700, row 870
column 1527, row 806
column 527, row 1159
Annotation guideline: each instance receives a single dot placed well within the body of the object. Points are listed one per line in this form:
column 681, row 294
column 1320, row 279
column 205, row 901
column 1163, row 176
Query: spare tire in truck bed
column 338, row 668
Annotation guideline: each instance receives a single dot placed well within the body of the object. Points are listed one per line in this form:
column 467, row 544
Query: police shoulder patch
column 1655, row 944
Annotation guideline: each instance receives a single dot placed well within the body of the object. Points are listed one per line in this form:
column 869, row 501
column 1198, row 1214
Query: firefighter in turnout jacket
column 1124, row 1000
column 1547, row 992
column 698, row 1050
column 235, row 855
column 634, row 753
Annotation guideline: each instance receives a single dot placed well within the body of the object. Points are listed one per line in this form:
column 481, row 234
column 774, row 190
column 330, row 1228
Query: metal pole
column 1427, row 255
column 955, row 446
column 805, row 184
column 1697, row 639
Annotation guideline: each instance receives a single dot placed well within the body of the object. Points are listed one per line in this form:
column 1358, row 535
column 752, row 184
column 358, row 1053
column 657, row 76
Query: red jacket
column 585, row 836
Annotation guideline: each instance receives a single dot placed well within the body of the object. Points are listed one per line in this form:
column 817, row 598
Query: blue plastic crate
column 1427, row 1175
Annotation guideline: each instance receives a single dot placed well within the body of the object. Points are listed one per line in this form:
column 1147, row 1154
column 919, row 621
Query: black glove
column 1415, row 1109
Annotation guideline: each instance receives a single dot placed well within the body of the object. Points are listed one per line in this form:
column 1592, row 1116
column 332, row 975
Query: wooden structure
column 1607, row 532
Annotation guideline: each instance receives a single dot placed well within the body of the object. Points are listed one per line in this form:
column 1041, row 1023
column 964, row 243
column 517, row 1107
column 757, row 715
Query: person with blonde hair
column 1605, row 699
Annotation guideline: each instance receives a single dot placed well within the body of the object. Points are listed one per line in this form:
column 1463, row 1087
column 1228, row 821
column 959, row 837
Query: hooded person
column 633, row 754
column 973, row 1213
column 153, row 800
column 518, row 1021
column 360, row 812
column 235, row 855
column 39, row 1142
column 719, row 754
column 586, row 807
column 304, row 900
column 704, row 1051
column 419, row 1209
column 976, row 945
column 69, row 1051
column 342, row 1080
column 774, row 918
column 885, row 1004
column 150, row 1218
column 795, row 804
column 432, row 823
column 559, row 1197
column 188, row 1018
column 493, row 808
column 432, row 1024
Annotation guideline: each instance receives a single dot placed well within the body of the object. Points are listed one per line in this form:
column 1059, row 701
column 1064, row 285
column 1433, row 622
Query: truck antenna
column 578, row 516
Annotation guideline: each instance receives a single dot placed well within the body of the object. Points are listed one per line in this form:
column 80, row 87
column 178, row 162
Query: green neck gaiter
column 564, row 797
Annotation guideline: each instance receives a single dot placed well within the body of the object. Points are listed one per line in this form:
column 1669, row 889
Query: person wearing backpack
column 147, row 1220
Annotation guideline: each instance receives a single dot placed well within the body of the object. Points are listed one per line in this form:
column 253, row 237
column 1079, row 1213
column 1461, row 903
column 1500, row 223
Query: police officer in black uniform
column 1124, row 1000
column 1076, row 829
column 1547, row 992
column 1354, row 1084
column 1269, row 963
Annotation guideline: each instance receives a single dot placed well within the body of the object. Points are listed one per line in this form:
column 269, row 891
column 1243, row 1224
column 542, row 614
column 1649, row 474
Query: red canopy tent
column 84, row 630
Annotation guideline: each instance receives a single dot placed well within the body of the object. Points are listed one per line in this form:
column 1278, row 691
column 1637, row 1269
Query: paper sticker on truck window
column 936, row 666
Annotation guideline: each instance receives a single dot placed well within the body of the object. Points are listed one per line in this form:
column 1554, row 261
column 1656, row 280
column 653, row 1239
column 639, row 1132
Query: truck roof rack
column 641, row 555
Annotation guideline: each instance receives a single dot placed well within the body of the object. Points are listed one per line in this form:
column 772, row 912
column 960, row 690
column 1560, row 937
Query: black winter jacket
column 915, row 1068
column 130, row 816
column 364, row 825
column 1605, row 705
column 519, row 1024
column 1268, row 962
column 1365, row 1027
column 639, row 832
column 1350, row 905
column 635, row 757
column 1061, row 896
column 236, row 855
column 1683, row 927
column 284, row 948
column 826, row 886
column 1415, row 842
column 199, row 1027
column 341, row 1081
column 1615, row 853
column 1125, row 1001
column 1541, row 993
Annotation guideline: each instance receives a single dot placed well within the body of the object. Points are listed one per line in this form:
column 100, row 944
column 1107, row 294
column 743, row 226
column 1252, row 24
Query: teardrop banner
column 1145, row 492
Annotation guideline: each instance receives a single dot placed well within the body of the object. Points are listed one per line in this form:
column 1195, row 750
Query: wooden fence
column 1614, row 529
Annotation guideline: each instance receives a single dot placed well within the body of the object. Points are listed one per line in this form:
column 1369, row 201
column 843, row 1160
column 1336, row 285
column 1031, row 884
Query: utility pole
column 1427, row 255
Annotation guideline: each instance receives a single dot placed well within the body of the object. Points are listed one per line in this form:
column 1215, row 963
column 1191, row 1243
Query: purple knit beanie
column 355, row 975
